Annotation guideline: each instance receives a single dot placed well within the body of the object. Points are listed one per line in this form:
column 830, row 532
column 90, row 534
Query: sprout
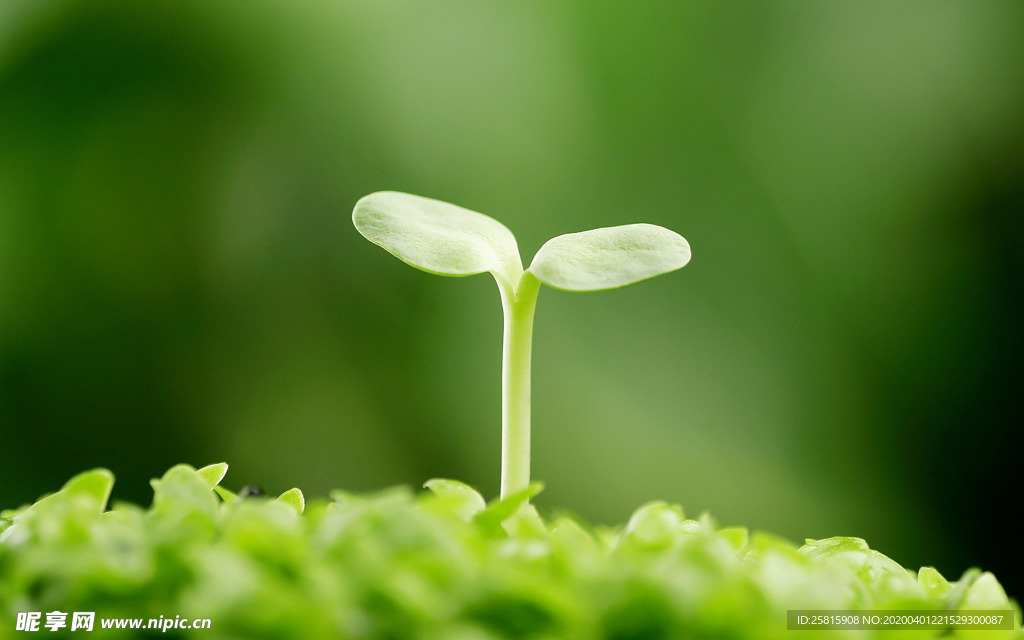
column 444, row 239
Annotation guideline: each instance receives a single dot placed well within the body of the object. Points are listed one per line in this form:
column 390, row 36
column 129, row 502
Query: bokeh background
column 180, row 280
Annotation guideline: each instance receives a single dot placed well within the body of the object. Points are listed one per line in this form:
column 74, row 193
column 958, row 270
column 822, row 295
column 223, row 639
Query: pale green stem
column 518, row 306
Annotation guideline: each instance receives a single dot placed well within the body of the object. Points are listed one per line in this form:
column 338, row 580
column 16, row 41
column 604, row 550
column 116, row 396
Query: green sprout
column 444, row 239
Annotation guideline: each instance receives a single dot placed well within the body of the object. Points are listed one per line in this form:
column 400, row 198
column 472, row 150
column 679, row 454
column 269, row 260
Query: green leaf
column 491, row 518
column 737, row 537
column 294, row 498
column 574, row 544
column 985, row 593
column 93, row 486
column 956, row 595
column 438, row 237
column 934, row 585
column 870, row 565
column 182, row 485
column 525, row 523
column 226, row 495
column 610, row 257
column 213, row 473
column 88, row 491
column 655, row 525
column 456, row 497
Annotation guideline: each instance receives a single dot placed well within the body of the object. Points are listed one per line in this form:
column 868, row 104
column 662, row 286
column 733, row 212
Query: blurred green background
column 180, row 279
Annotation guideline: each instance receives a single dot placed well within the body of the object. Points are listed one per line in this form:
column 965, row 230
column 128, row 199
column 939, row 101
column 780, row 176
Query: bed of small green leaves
column 436, row 564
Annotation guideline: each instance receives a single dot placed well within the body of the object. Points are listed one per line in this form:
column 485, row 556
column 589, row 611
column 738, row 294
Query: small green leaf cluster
column 441, row 563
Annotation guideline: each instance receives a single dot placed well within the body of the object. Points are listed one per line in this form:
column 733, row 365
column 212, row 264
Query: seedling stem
column 518, row 306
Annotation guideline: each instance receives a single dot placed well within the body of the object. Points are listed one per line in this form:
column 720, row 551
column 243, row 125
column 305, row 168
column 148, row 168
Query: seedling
column 447, row 240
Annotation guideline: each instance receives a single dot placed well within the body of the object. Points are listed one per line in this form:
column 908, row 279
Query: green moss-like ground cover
column 435, row 564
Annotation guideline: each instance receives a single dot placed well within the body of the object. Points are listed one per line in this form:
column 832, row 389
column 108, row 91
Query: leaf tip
column 294, row 498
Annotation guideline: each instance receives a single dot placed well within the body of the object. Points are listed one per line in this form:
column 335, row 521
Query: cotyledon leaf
column 438, row 237
column 609, row 257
